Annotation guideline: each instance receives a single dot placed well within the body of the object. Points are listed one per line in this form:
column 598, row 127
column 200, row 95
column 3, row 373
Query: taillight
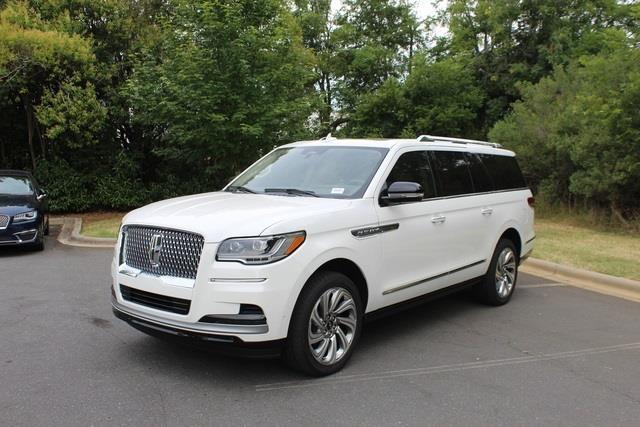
column 531, row 201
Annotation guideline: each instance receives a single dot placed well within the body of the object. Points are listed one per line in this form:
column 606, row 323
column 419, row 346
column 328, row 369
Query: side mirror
column 403, row 192
column 41, row 195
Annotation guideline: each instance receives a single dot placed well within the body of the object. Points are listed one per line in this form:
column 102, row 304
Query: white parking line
column 446, row 368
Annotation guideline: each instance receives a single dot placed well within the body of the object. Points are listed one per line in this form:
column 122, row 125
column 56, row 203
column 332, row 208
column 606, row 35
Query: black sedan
column 24, row 218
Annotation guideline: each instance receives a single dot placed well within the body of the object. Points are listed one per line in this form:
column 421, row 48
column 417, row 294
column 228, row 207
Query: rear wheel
column 325, row 325
column 498, row 285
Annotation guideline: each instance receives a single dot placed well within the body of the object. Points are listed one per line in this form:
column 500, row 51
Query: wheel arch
column 341, row 263
column 512, row 234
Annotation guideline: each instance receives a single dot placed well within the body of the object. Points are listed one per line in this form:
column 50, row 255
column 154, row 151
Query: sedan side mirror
column 403, row 192
column 41, row 194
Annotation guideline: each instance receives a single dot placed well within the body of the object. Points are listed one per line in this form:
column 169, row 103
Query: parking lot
column 554, row 355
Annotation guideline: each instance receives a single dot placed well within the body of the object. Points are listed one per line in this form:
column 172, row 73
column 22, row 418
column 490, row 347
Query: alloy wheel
column 332, row 326
column 505, row 272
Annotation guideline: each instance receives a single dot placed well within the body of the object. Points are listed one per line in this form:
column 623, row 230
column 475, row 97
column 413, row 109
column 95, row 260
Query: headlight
column 260, row 250
column 25, row 216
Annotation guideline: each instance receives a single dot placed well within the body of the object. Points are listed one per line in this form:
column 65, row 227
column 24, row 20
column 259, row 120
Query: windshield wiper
column 293, row 191
column 240, row 189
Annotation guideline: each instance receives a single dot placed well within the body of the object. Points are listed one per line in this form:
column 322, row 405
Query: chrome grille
column 179, row 254
column 4, row 221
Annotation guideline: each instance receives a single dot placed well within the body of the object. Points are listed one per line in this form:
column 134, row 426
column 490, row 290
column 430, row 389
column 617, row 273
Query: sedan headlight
column 25, row 216
column 260, row 250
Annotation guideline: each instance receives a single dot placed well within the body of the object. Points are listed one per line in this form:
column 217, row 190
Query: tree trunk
column 3, row 155
column 615, row 210
column 30, row 128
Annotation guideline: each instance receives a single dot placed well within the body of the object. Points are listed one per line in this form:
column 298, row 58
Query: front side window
column 333, row 172
column 15, row 186
column 452, row 173
column 413, row 167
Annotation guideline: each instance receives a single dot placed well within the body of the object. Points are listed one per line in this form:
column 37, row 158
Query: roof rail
column 431, row 138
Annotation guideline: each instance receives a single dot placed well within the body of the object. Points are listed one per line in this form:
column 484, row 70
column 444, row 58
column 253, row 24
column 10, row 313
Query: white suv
column 297, row 251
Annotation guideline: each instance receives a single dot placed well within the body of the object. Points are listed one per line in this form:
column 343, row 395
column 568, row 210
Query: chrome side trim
column 371, row 231
column 437, row 276
column 201, row 328
column 237, row 280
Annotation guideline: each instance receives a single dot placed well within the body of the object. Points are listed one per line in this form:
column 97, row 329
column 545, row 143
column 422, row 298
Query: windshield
column 15, row 186
column 336, row 172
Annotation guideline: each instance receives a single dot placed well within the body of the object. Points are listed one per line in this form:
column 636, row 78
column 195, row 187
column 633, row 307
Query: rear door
column 462, row 210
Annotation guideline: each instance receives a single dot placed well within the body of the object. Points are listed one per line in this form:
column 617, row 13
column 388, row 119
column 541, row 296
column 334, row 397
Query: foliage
column 116, row 103
column 440, row 98
column 230, row 81
column 578, row 131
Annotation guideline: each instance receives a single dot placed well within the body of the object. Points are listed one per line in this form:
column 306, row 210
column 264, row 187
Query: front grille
column 178, row 254
column 4, row 221
column 157, row 301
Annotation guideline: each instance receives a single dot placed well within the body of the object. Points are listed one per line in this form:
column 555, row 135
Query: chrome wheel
column 332, row 326
column 505, row 272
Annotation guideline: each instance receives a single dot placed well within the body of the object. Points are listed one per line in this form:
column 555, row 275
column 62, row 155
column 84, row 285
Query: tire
column 335, row 332
column 38, row 246
column 498, row 285
column 46, row 227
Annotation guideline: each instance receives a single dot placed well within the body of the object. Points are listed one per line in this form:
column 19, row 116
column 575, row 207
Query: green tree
column 578, row 132
column 440, row 98
column 514, row 41
column 374, row 41
column 37, row 58
column 228, row 84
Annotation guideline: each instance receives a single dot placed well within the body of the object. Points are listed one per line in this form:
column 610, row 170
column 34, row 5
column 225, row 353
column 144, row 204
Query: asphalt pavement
column 555, row 355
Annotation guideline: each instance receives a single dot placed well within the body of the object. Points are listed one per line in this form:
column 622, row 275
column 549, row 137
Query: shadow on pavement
column 198, row 366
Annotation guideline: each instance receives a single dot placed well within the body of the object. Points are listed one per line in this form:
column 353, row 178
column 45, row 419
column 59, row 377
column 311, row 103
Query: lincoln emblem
column 154, row 250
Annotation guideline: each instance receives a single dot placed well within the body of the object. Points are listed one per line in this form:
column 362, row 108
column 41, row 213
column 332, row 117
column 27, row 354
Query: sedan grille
column 4, row 221
column 162, row 252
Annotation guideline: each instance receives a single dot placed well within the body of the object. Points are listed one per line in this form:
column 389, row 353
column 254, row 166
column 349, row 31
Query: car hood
column 221, row 215
column 12, row 205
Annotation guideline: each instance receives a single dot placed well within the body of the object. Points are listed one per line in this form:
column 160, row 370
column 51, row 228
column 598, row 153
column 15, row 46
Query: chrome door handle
column 486, row 211
column 438, row 219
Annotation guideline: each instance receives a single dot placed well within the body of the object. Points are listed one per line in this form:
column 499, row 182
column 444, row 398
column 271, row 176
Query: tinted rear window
column 452, row 173
column 482, row 181
column 504, row 171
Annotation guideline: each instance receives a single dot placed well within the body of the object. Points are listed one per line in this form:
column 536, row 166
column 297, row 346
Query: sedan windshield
column 15, row 186
column 336, row 172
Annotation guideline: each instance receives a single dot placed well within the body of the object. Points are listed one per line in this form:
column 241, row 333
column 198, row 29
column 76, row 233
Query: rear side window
column 413, row 167
column 452, row 173
column 482, row 181
column 504, row 171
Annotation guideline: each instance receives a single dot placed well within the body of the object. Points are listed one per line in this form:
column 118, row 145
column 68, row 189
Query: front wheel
column 497, row 287
column 325, row 325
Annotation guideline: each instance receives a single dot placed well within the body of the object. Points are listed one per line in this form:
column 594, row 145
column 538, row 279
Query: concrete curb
column 70, row 234
column 590, row 280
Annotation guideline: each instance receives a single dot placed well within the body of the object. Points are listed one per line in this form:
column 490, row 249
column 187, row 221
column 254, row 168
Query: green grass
column 101, row 225
column 606, row 251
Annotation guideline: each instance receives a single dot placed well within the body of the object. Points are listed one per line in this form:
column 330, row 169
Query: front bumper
column 201, row 337
column 217, row 298
column 20, row 233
